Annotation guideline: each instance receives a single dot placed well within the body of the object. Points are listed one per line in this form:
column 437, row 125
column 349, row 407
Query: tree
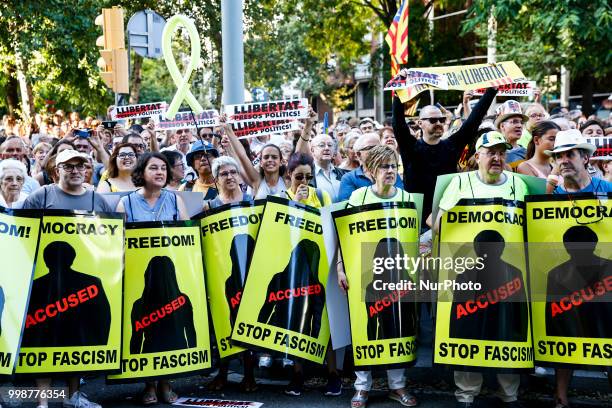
column 542, row 35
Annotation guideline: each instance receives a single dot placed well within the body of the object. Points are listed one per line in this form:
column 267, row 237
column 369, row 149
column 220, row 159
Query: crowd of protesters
column 66, row 162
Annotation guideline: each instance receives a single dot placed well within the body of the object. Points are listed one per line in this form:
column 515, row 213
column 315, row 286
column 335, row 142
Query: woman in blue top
column 152, row 202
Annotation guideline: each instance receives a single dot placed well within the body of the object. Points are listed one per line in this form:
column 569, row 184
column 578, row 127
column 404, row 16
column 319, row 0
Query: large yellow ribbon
column 182, row 81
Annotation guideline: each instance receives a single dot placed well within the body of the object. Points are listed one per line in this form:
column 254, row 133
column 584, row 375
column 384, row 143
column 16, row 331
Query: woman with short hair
column 12, row 176
column 226, row 173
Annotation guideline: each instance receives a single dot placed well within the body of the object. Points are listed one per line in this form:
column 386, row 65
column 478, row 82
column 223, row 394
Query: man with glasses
column 510, row 121
column 322, row 148
column 430, row 156
column 69, row 192
column 137, row 141
column 357, row 178
column 489, row 181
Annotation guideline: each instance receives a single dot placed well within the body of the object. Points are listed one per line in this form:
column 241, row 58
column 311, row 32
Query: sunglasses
column 433, row 121
column 301, row 177
column 366, row 148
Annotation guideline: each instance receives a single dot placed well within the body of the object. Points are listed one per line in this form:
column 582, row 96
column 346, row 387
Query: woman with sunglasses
column 269, row 179
column 121, row 164
column 300, row 170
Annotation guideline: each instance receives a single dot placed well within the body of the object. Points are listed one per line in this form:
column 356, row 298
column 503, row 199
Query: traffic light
column 113, row 61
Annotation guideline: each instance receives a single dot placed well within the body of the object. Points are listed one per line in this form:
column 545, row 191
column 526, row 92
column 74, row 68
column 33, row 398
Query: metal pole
column 565, row 87
column 233, row 53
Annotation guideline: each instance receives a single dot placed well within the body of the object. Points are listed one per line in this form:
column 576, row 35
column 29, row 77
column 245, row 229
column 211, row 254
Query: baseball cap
column 491, row 139
column 67, row 155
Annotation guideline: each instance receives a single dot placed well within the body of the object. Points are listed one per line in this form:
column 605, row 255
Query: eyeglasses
column 179, row 166
column 514, row 122
column 139, row 146
column 301, row 177
column 123, row 156
column 70, row 167
column 537, row 116
column 433, row 121
column 200, row 156
column 388, row 167
column 324, row 145
column 228, row 173
column 210, row 135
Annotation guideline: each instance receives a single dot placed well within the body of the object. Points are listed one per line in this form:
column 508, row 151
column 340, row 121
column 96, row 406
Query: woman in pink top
column 538, row 164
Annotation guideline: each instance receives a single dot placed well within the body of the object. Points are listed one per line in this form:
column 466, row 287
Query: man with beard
column 427, row 158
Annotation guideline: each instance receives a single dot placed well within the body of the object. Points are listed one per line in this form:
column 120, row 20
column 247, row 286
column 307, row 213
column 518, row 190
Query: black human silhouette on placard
column 162, row 319
column 299, row 312
column 67, row 308
column 241, row 252
column 504, row 318
column 577, row 303
column 1, row 307
column 391, row 314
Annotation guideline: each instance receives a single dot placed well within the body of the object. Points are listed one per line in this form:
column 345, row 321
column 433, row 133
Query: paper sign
column 185, row 120
column 275, row 110
column 216, row 403
column 515, row 89
column 143, row 110
column 604, row 147
column 416, row 77
column 263, row 128
column 470, row 77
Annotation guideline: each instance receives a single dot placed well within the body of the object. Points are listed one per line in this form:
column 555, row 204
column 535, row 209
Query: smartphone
column 110, row 124
column 82, row 133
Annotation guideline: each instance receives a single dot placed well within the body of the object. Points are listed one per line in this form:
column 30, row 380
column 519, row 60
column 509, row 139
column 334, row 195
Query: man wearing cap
column 489, row 181
column 355, row 179
column 367, row 125
column 200, row 158
column 68, row 193
column 430, row 156
column 571, row 154
column 510, row 123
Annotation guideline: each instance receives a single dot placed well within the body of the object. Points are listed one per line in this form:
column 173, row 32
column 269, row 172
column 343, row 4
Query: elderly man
column 510, row 123
column 14, row 148
column 489, row 181
column 322, row 148
column 357, row 178
column 184, row 137
column 430, row 156
column 571, row 153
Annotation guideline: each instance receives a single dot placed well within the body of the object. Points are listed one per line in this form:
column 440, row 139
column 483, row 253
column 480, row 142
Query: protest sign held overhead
column 267, row 111
column 144, row 110
column 415, row 77
column 165, row 314
column 470, row 77
column 187, row 120
column 483, row 315
column 263, row 128
column 382, row 303
column 73, row 323
column 514, row 89
column 571, row 279
column 228, row 240
column 19, row 236
column 282, row 307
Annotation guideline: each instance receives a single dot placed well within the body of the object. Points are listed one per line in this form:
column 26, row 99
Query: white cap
column 67, row 155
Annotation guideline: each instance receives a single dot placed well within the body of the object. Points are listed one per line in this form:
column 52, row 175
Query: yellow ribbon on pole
column 181, row 81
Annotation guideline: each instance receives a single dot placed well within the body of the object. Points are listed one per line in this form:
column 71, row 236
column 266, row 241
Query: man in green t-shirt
column 489, row 181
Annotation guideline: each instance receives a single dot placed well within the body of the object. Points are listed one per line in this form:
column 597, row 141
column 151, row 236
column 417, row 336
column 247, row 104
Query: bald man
column 431, row 156
column 355, row 179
